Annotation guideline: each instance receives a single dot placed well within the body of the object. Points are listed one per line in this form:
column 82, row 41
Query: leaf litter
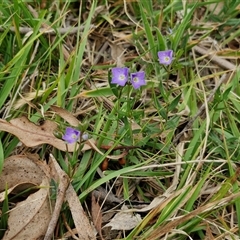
column 124, row 220
column 33, row 135
column 33, row 217
column 66, row 192
column 36, row 213
column 29, row 218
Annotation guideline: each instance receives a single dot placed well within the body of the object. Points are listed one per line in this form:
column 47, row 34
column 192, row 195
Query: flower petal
column 119, row 76
column 71, row 135
column 165, row 57
column 138, row 79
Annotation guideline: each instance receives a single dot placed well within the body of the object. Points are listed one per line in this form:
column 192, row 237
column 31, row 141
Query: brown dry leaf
column 33, row 135
column 117, row 53
column 96, row 215
column 65, row 115
column 21, row 169
column 79, row 217
column 160, row 200
column 59, row 176
column 103, row 195
column 30, row 218
column 124, row 220
column 27, row 98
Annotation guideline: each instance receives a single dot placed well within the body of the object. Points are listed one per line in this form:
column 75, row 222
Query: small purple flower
column 71, row 135
column 165, row 57
column 138, row 79
column 119, row 76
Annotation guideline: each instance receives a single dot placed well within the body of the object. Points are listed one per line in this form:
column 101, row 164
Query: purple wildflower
column 119, row 76
column 138, row 79
column 165, row 57
column 71, row 135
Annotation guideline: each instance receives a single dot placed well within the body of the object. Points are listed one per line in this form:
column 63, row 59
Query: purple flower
column 165, row 57
column 138, row 79
column 119, row 76
column 71, row 135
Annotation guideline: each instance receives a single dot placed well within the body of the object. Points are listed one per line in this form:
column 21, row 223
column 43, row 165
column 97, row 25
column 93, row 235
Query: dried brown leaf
column 33, row 135
column 96, row 215
column 124, row 220
column 117, row 53
column 79, row 217
column 30, row 218
column 65, row 115
column 103, row 195
column 64, row 181
column 21, row 169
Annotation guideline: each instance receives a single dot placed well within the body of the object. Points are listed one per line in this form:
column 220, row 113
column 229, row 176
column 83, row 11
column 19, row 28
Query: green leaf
column 226, row 93
column 148, row 29
column 4, row 215
column 174, row 103
column 161, row 41
column 100, row 92
column 181, row 29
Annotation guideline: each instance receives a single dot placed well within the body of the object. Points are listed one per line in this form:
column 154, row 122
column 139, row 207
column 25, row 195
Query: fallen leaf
column 21, row 169
column 66, row 115
column 96, row 215
column 108, row 197
column 27, row 98
column 59, row 176
column 124, row 220
column 29, row 219
column 79, row 217
column 33, row 135
column 117, row 53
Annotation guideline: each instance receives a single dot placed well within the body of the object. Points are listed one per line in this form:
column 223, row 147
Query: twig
column 68, row 227
column 115, row 157
column 51, row 31
column 63, row 185
column 219, row 61
column 201, row 109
